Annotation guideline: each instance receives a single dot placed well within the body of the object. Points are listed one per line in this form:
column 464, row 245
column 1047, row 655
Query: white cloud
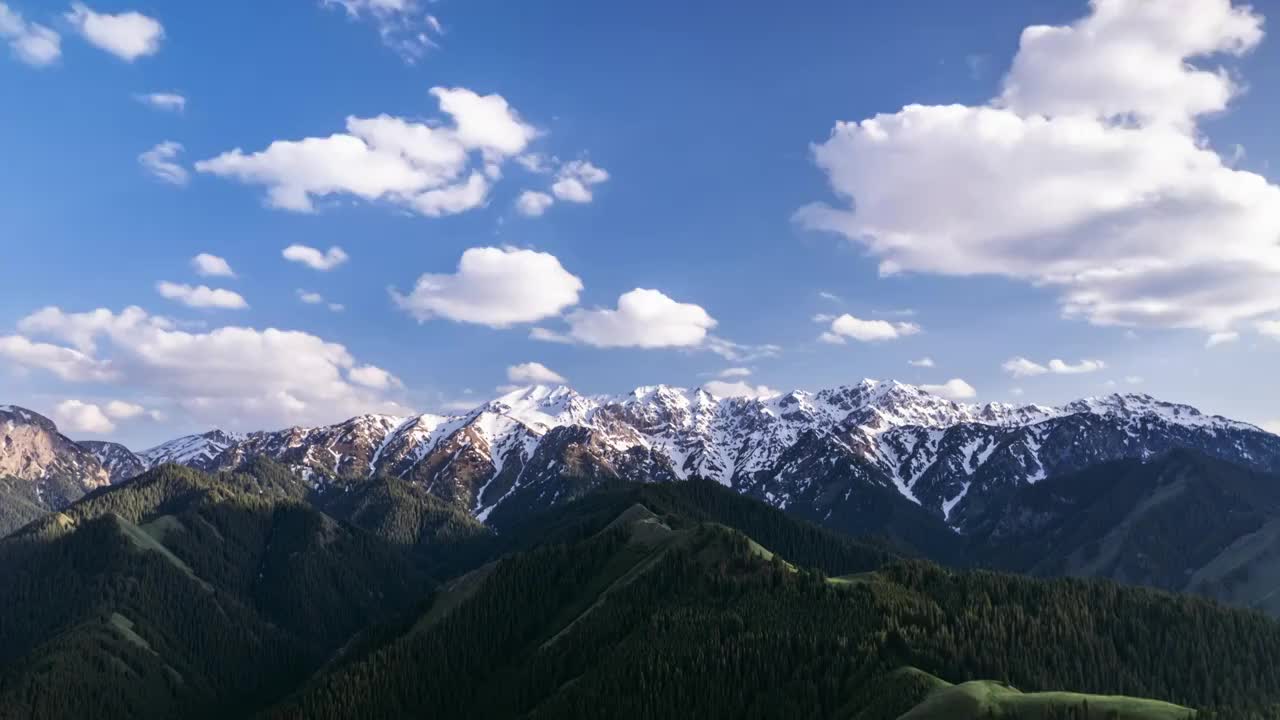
column 1272, row 426
column 547, row 335
column 533, row 204
column 739, row 352
column 831, row 338
column 498, row 287
column 231, row 376
column 1017, row 392
column 208, row 265
column 314, row 298
column 160, row 162
column 403, row 25
column 77, row 416
column 1221, row 338
column 121, row 410
column 67, row 363
column 848, row 326
column 1084, row 366
column 829, row 296
column 128, row 35
column 167, row 101
column 575, row 180
column 373, row 377
column 434, row 169
column 735, row 372
column 1134, row 379
column 1022, row 367
column 32, row 43
column 644, row 318
column 201, row 296
column 739, row 389
column 313, row 258
column 535, row 162
column 924, row 362
column 454, row 199
column 533, row 373
column 1270, row 328
column 953, row 389
column 1087, row 175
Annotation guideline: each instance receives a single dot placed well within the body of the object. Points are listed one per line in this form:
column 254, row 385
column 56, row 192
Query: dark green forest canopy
column 180, row 594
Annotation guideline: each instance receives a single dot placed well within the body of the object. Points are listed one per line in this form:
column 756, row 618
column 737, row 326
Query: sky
column 254, row 215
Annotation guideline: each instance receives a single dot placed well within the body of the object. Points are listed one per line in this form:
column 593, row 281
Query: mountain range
column 965, row 484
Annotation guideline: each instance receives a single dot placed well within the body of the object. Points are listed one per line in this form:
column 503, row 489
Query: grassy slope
column 983, row 699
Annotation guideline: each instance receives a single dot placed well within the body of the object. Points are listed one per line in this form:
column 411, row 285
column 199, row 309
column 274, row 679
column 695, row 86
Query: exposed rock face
column 120, row 462
column 40, row 469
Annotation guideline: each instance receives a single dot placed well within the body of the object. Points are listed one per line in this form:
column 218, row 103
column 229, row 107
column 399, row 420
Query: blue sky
column 705, row 121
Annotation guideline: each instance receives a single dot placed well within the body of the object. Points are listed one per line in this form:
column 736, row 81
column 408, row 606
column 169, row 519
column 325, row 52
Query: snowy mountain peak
column 541, row 444
column 195, row 450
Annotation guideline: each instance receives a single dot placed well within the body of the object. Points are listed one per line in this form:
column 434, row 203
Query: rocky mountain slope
column 40, row 468
column 823, row 455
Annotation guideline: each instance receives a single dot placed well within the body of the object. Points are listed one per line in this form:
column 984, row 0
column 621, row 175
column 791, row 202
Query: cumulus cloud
column 428, row 168
column 848, row 326
column 231, row 376
column 128, row 35
column 1022, row 367
column 532, row 203
column 924, row 362
column 67, row 363
column 1084, row 366
column 533, row 373
column 738, row 389
column 403, row 25
column 644, row 318
column 1270, row 328
column 315, row 259
column 167, row 101
column 122, row 410
column 1084, row 176
column 953, row 389
column 374, row 377
column 32, row 43
column 201, row 296
column 208, row 265
column 160, row 161
column 735, row 372
column 498, row 287
column 575, row 180
column 77, row 416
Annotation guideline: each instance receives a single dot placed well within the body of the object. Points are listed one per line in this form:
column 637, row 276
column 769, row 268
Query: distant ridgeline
column 180, row 594
column 1124, row 487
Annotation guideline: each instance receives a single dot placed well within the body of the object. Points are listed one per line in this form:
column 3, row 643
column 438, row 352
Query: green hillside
column 180, row 594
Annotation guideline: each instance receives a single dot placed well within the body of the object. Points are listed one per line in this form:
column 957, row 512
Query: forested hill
column 179, row 594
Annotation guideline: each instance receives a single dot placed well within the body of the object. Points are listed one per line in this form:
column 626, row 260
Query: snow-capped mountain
column 198, row 451
column 844, row 456
column 120, row 462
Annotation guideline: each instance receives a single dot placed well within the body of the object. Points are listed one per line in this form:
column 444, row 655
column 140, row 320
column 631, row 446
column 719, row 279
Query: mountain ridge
column 927, row 448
